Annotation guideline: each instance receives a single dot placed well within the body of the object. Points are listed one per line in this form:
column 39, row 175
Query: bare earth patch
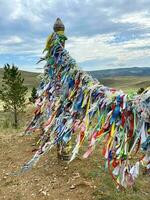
column 51, row 179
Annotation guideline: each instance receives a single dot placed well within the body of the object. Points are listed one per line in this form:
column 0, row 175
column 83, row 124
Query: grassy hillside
column 127, row 83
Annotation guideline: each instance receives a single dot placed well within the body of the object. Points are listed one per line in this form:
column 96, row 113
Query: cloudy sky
column 101, row 34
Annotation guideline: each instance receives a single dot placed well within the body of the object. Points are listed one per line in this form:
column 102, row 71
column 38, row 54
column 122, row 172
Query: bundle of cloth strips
column 71, row 106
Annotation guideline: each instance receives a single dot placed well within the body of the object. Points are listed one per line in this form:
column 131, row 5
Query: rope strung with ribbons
column 72, row 104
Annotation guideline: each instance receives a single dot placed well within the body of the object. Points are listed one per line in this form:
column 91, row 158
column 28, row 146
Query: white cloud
column 17, row 11
column 19, row 46
column 99, row 47
column 88, row 48
column 25, row 10
column 140, row 18
column 12, row 40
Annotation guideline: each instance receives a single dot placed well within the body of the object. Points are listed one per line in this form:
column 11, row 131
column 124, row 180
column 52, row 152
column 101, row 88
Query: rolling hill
column 134, row 71
column 127, row 79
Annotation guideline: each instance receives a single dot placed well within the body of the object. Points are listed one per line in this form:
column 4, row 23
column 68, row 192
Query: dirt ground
column 51, row 179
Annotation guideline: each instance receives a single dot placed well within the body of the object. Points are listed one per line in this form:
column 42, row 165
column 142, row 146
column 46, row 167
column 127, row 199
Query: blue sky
column 102, row 34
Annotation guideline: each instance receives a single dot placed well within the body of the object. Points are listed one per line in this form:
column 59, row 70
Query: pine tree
column 13, row 92
column 33, row 95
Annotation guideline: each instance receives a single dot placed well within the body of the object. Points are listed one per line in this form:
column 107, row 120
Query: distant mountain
column 135, row 71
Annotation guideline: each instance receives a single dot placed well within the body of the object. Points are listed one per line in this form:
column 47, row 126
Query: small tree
column 140, row 90
column 13, row 92
column 33, row 95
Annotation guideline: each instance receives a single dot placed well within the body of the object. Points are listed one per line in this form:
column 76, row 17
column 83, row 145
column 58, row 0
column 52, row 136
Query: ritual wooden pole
column 63, row 150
